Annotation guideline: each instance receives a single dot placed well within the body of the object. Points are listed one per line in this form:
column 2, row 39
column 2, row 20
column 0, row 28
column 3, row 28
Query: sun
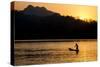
column 82, row 18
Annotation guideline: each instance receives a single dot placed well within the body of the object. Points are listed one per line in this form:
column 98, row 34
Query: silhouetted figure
column 77, row 49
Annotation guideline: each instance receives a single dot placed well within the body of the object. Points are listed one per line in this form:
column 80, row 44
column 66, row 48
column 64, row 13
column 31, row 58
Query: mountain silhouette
column 38, row 11
column 40, row 23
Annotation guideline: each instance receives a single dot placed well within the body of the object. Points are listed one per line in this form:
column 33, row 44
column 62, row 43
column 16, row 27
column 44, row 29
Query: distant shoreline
column 55, row 40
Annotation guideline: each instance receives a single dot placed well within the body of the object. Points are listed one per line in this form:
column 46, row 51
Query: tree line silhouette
column 54, row 26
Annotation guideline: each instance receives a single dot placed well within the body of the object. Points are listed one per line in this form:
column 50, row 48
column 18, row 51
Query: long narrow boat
column 70, row 49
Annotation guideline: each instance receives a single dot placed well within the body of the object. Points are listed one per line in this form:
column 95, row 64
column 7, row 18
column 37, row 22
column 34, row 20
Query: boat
column 70, row 49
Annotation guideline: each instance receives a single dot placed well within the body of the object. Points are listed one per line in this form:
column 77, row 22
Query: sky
column 78, row 11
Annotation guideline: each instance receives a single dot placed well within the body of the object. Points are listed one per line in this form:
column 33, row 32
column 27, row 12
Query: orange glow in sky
column 80, row 11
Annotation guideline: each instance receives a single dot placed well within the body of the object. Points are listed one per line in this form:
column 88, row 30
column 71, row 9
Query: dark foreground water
column 54, row 52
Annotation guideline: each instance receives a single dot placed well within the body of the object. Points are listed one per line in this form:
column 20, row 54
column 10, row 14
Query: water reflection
column 54, row 52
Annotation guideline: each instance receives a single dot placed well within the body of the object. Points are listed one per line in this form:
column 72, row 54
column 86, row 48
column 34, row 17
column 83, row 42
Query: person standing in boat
column 77, row 48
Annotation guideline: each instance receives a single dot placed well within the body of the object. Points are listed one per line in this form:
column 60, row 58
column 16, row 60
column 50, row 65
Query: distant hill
column 40, row 23
column 39, row 11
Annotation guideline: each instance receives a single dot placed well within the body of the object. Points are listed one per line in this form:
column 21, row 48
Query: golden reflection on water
column 54, row 52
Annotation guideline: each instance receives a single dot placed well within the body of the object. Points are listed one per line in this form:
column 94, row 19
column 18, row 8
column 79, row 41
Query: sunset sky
column 78, row 11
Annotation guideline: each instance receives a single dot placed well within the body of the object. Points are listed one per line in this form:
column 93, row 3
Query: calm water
column 54, row 52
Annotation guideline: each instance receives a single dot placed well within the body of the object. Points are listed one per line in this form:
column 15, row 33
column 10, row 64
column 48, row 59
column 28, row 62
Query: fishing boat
column 70, row 49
